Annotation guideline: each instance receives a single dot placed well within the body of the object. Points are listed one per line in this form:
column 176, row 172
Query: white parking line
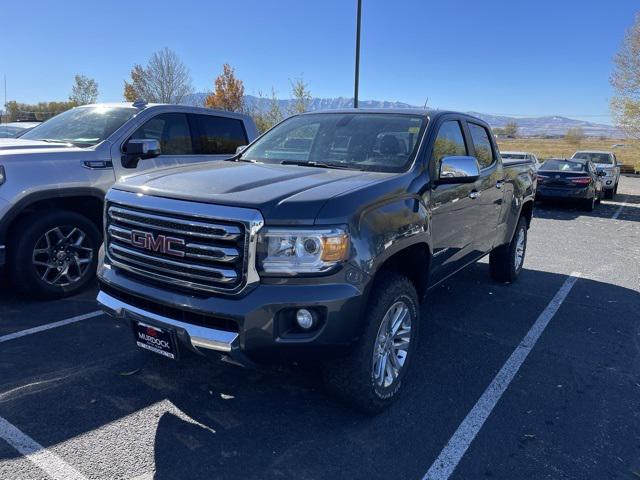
column 617, row 213
column 55, row 467
column 48, row 326
column 458, row 444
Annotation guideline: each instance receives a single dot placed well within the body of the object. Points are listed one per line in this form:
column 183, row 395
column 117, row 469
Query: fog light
column 304, row 318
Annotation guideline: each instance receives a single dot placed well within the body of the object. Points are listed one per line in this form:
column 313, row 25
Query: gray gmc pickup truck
column 54, row 177
column 318, row 241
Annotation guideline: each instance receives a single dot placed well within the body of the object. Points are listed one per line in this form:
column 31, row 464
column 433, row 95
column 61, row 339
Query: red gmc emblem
column 157, row 243
column 152, row 332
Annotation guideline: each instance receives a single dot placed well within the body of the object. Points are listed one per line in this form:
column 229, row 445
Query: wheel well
column 90, row 207
column 412, row 262
column 527, row 212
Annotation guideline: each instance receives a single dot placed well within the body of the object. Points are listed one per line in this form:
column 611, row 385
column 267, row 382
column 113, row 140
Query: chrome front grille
column 197, row 246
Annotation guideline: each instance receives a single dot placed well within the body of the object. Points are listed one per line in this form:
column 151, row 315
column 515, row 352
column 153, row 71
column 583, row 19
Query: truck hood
column 284, row 194
column 9, row 146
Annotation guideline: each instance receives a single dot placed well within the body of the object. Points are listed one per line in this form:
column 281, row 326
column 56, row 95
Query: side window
column 171, row 130
column 220, row 135
column 482, row 144
column 449, row 142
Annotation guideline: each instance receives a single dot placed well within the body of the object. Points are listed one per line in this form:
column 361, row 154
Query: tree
column 574, row 136
column 84, row 90
column 511, row 130
column 625, row 104
column 266, row 117
column 165, row 79
column 228, row 93
column 35, row 112
column 301, row 96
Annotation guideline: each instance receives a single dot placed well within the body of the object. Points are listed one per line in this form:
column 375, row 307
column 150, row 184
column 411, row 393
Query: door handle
column 474, row 195
column 500, row 184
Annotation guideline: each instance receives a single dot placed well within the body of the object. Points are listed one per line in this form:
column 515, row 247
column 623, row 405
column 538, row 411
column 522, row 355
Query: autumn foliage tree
column 228, row 93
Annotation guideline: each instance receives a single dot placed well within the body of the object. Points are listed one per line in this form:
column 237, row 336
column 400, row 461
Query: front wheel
column 53, row 254
column 506, row 261
column 371, row 376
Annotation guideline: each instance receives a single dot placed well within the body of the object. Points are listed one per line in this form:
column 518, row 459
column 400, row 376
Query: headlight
column 288, row 251
column 2, row 175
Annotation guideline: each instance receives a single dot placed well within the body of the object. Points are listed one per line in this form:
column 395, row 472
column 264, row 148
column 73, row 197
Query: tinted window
column 171, row 130
column 449, row 142
column 363, row 141
column 482, row 144
column 219, row 135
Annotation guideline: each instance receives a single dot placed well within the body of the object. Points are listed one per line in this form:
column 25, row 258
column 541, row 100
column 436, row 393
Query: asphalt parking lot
column 485, row 399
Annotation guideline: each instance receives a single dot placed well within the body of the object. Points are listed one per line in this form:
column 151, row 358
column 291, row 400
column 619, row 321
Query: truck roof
column 428, row 113
column 167, row 106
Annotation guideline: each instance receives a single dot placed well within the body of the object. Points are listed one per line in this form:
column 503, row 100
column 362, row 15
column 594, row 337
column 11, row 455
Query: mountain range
column 527, row 126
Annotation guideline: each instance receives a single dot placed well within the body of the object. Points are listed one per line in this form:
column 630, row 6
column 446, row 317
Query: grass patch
column 560, row 148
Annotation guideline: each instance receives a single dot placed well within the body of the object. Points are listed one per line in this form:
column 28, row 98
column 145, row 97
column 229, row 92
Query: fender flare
column 34, row 197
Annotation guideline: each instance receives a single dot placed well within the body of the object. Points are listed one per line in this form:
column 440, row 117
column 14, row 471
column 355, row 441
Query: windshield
column 513, row 156
column 8, row 132
column 564, row 166
column 362, row 141
column 84, row 126
column 594, row 157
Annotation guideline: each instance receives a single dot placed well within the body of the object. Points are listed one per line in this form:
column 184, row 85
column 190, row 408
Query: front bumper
column 608, row 183
column 259, row 318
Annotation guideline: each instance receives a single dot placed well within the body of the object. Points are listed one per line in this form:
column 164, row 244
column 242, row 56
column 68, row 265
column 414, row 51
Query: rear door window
column 219, row 135
column 171, row 130
column 482, row 145
column 449, row 142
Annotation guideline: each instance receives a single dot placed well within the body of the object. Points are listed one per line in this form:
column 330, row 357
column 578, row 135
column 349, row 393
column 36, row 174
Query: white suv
column 607, row 163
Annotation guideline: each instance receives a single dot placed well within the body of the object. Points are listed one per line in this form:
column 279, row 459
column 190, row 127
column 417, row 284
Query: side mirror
column 458, row 169
column 241, row 149
column 139, row 149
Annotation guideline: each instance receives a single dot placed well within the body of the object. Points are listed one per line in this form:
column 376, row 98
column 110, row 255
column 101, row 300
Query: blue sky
column 530, row 58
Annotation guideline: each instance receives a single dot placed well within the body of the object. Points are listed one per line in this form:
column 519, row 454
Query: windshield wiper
column 317, row 165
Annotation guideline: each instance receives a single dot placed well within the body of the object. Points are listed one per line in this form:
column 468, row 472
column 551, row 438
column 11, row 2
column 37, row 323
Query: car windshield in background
column 513, row 156
column 563, row 166
column 83, row 126
column 9, row 132
column 594, row 157
column 377, row 142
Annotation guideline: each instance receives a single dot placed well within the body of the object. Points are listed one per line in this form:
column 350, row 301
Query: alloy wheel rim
column 62, row 256
column 392, row 344
column 520, row 247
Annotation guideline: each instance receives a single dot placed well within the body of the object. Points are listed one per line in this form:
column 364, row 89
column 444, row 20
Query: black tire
column 25, row 237
column 503, row 264
column 588, row 204
column 608, row 194
column 352, row 378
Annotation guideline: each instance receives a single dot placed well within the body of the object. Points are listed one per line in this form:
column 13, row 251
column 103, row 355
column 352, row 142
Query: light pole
column 357, row 79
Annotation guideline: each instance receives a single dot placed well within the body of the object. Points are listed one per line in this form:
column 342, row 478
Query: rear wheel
column 609, row 193
column 506, row 261
column 53, row 254
column 588, row 204
column 371, row 376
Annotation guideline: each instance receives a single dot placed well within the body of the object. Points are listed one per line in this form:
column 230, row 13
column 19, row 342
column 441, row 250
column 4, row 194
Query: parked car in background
column 607, row 163
column 318, row 241
column 575, row 180
column 15, row 129
column 53, row 180
column 517, row 157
